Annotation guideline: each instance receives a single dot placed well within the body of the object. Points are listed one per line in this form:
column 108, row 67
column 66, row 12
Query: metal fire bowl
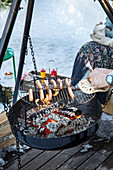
column 90, row 109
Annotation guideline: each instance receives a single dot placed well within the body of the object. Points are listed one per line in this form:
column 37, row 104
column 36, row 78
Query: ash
column 105, row 129
column 51, row 125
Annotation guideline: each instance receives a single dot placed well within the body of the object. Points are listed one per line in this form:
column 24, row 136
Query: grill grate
column 58, row 94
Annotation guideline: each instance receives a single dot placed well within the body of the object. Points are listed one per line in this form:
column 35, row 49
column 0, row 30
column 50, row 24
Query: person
column 99, row 54
column 101, row 60
column 98, row 77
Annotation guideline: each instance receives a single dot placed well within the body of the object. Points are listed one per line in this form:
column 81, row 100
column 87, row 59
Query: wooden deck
column 5, row 131
column 81, row 157
column 94, row 153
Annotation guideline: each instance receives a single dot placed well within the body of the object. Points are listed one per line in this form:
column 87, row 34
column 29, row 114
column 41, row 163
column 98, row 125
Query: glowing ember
column 45, row 125
column 51, row 122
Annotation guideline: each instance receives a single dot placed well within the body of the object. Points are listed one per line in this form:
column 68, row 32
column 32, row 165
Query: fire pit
column 54, row 115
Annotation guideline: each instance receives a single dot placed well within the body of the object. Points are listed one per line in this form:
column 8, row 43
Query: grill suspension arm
column 8, row 28
column 107, row 8
column 24, row 46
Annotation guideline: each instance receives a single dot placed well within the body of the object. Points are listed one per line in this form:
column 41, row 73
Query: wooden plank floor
column 5, row 132
column 81, row 157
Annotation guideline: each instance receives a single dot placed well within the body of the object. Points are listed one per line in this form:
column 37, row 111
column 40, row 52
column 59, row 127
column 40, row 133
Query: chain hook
column 32, row 54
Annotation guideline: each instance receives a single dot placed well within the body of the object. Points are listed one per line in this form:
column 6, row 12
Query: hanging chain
column 108, row 98
column 32, row 54
column 15, row 124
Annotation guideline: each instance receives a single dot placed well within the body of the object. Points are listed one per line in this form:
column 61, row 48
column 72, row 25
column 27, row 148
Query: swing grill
column 60, row 122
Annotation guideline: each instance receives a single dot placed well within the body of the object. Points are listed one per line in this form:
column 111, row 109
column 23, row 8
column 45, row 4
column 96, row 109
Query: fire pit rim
column 67, row 140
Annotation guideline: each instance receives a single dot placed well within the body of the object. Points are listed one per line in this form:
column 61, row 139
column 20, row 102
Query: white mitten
column 99, row 29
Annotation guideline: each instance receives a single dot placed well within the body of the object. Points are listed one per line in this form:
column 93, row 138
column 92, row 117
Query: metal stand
column 107, row 8
column 10, row 54
column 24, row 46
column 8, row 28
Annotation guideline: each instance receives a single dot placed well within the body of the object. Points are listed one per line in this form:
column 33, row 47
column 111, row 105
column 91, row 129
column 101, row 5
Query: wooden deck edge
column 5, row 130
column 7, row 142
column 3, row 118
column 6, row 136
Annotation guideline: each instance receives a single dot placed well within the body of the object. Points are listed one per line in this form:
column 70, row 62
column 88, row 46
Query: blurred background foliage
column 4, row 3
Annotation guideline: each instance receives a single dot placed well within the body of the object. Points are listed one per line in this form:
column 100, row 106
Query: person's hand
column 98, row 77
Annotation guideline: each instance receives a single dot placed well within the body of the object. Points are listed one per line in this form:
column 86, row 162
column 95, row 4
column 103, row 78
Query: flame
column 56, row 110
column 56, row 92
column 51, row 120
column 36, row 101
column 62, row 106
column 43, row 103
column 46, row 100
column 78, row 116
column 8, row 73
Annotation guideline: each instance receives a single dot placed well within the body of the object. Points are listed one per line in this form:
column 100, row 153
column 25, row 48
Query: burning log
column 70, row 115
column 58, row 125
column 50, row 120
column 56, row 120
column 74, row 127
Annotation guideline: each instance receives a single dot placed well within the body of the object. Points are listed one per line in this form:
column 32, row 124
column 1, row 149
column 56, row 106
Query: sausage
column 70, row 89
column 41, row 90
column 46, row 84
column 54, row 83
column 60, row 83
column 31, row 95
column 50, row 94
column 41, row 94
column 67, row 82
column 71, row 92
column 48, row 89
column 39, row 84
